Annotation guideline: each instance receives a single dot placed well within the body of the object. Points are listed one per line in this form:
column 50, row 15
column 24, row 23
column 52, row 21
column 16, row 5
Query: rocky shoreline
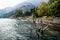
column 53, row 23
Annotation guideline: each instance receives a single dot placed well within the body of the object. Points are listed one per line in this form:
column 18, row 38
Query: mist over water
column 13, row 29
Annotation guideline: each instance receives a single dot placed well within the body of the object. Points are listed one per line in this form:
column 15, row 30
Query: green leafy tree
column 34, row 12
column 27, row 13
column 51, row 1
column 54, row 9
column 18, row 13
column 42, row 10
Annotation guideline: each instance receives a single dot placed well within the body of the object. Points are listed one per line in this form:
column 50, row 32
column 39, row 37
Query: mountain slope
column 6, row 10
column 26, row 6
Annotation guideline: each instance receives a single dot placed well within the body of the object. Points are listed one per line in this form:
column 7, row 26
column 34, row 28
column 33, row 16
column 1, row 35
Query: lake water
column 13, row 29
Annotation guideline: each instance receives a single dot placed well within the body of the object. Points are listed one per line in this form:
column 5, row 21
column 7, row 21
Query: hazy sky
column 11, row 3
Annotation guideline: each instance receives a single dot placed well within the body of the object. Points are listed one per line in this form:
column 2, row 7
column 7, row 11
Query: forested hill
column 6, row 13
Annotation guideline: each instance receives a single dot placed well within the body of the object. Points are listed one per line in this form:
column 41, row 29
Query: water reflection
column 13, row 29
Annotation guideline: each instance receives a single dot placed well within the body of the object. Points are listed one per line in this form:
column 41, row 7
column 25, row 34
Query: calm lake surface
column 13, row 29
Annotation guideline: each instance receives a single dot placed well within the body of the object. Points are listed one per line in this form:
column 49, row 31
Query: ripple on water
column 11, row 29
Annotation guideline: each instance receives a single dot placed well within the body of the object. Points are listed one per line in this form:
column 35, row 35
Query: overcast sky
column 11, row 3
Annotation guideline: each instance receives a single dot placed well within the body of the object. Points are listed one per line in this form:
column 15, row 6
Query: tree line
column 50, row 8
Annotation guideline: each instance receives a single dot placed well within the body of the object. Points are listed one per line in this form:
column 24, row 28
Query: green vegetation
column 42, row 10
column 34, row 13
column 20, row 13
column 50, row 8
column 54, row 9
column 45, row 9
